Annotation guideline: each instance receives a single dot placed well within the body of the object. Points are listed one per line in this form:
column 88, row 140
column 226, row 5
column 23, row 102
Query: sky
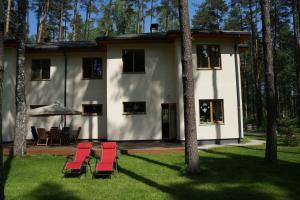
column 33, row 21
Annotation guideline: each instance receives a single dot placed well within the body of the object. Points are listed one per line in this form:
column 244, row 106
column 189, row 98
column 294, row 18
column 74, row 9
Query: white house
column 129, row 87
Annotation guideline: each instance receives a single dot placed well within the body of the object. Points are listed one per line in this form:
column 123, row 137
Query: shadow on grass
column 7, row 164
column 231, row 176
column 51, row 191
column 173, row 167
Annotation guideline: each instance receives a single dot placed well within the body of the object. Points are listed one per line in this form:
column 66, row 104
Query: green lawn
column 227, row 173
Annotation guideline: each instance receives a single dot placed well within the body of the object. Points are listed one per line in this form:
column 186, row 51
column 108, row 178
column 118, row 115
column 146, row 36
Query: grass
column 226, row 173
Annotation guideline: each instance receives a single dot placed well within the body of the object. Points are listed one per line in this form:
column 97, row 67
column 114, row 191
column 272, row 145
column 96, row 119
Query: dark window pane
column 134, row 107
column 45, row 64
column 40, row 69
column 139, row 61
column 35, row 70
column 202, row 56
column 205, row 111
column 128, row 61
column 215, row 56
column 92, row 67
column 91, row 109
column 218, row 111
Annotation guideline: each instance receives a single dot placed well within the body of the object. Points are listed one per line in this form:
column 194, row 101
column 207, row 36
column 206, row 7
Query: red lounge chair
column 108, row 160
column 81, row 159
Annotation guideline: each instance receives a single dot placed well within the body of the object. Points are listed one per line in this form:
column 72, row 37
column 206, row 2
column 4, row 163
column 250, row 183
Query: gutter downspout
column 238, row 92
column 65, row 85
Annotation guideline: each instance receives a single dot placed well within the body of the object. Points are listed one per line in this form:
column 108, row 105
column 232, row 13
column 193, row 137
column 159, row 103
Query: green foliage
column 210, row 15
column 286, row 127
column 167, row 15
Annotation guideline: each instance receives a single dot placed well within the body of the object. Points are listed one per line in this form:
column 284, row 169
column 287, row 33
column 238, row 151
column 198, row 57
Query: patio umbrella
column 52, row 110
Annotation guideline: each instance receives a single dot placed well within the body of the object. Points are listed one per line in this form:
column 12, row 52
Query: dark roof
column 170, row 34
column 62, row 45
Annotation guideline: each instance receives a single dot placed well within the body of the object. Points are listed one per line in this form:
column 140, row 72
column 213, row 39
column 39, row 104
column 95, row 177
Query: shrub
column 287, row 129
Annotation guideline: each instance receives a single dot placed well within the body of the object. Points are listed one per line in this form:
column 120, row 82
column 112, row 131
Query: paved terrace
column 124, row 147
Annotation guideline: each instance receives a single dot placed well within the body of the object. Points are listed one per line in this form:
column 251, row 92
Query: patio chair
column 65, row 135
column 34, row 135
column 42, row 137
column 74, row 136
column 80, row 161
column 108, row 162
column 55, row 137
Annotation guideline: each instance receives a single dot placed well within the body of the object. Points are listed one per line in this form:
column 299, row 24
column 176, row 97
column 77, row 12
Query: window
column 92, row 109
column 208, row 57
column 36, row 106
column 92, row 68
column 134, row 107
column 133, row 61
column 40, row 69
column 211, row 111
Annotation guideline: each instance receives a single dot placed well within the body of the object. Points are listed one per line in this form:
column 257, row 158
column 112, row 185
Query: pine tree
column 7, row 21
column 191, row 143
column 42, row 14
column 1, row 95
column 20, row 127
column 271, row 146
column 210, row 15
column 167, row 14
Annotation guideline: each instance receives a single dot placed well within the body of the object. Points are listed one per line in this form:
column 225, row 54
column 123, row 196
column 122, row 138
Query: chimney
column 154, row 28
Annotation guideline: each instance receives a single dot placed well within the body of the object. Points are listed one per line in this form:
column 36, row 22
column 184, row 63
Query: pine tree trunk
column 1, row 92
column 191, row 143
column 60, row 25
column 87, row 20
column 256, row 74
column 296, row 24
column 20, row 131
column 42, row 20
column 74, row 20
column 7, row 16
column 271, row 146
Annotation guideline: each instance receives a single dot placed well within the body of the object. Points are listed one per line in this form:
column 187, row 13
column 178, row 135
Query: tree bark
column 74, row 20
column 191, row 143
column 20, row 131
column 296, row 24
column 43, row 17
column 256, row 74
column 271, row 146
column 60, row 25
column 1, row 91
column 87, row 19
column 7, row 17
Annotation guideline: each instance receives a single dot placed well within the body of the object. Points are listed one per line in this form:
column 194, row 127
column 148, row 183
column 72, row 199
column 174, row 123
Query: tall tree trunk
column 296, row 24
column 7, row 17
column 191, row 143
column 43, row 17
column 60, row 25
column 74, row 20
column 271, row 146
column 109, row 24
column 1, row 91
column 256, row 74
column 20, row 132
column 87, row 19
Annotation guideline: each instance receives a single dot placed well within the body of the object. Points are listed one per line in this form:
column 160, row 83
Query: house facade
column 129, row 87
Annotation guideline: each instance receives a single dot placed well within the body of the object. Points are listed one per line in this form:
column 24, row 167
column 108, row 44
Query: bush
column 287, row 129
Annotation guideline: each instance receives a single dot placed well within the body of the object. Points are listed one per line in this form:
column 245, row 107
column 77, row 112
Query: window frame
column 92, row 77
column 34, row 106
column 211, row 102
column 133, row 61
column 41, row 70
column 134, row 113
column 91, row 114
column 209, row 47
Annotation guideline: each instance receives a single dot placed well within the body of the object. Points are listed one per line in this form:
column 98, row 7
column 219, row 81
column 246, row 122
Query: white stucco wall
column 79, row 92
column 156, row 86
column 218, row 84
column 8, row 104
